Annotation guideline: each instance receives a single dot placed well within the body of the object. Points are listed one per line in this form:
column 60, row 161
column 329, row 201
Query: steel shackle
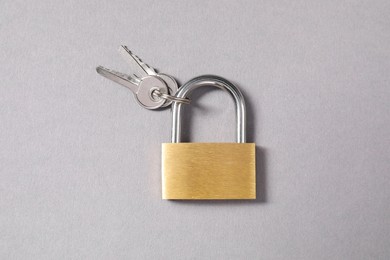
column 214, row 81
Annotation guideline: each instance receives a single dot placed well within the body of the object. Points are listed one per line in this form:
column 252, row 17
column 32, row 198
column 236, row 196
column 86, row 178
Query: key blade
column 120, row 78
column 140, row 68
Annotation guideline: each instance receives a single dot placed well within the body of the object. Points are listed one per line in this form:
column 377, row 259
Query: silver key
column 142, row 88
column 142, row 69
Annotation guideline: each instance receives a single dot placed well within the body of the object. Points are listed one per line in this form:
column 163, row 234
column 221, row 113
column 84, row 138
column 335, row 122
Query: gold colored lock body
column 208, row 171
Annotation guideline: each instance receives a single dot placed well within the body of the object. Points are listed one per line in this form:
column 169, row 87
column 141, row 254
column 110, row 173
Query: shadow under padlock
column 209, row 171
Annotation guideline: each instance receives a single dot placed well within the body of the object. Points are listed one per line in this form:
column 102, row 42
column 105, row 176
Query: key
column 142, row 88
column 142, row 69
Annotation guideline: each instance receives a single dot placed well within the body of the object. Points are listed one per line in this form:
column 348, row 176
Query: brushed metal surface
column 208, row 171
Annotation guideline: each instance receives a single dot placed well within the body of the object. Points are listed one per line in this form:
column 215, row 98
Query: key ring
column 158, row 93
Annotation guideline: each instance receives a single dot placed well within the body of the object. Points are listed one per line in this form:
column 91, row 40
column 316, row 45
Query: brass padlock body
column 203, row 171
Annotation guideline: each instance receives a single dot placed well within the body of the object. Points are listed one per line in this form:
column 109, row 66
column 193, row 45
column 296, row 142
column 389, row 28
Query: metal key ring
column 170, row 98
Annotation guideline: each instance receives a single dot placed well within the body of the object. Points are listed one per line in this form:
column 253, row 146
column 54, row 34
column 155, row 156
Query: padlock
column 209, row 171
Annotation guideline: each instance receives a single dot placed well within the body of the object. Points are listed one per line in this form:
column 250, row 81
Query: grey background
column 80, row 160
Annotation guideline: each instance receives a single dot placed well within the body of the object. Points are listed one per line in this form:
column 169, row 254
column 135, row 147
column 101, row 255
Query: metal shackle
column 214, row 81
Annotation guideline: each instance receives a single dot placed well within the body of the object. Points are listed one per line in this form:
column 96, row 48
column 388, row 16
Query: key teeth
column 129, row 52
column 148, row 70
column 117, row 76
column 100, row 67
column 139, row 60
column 102, row 70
